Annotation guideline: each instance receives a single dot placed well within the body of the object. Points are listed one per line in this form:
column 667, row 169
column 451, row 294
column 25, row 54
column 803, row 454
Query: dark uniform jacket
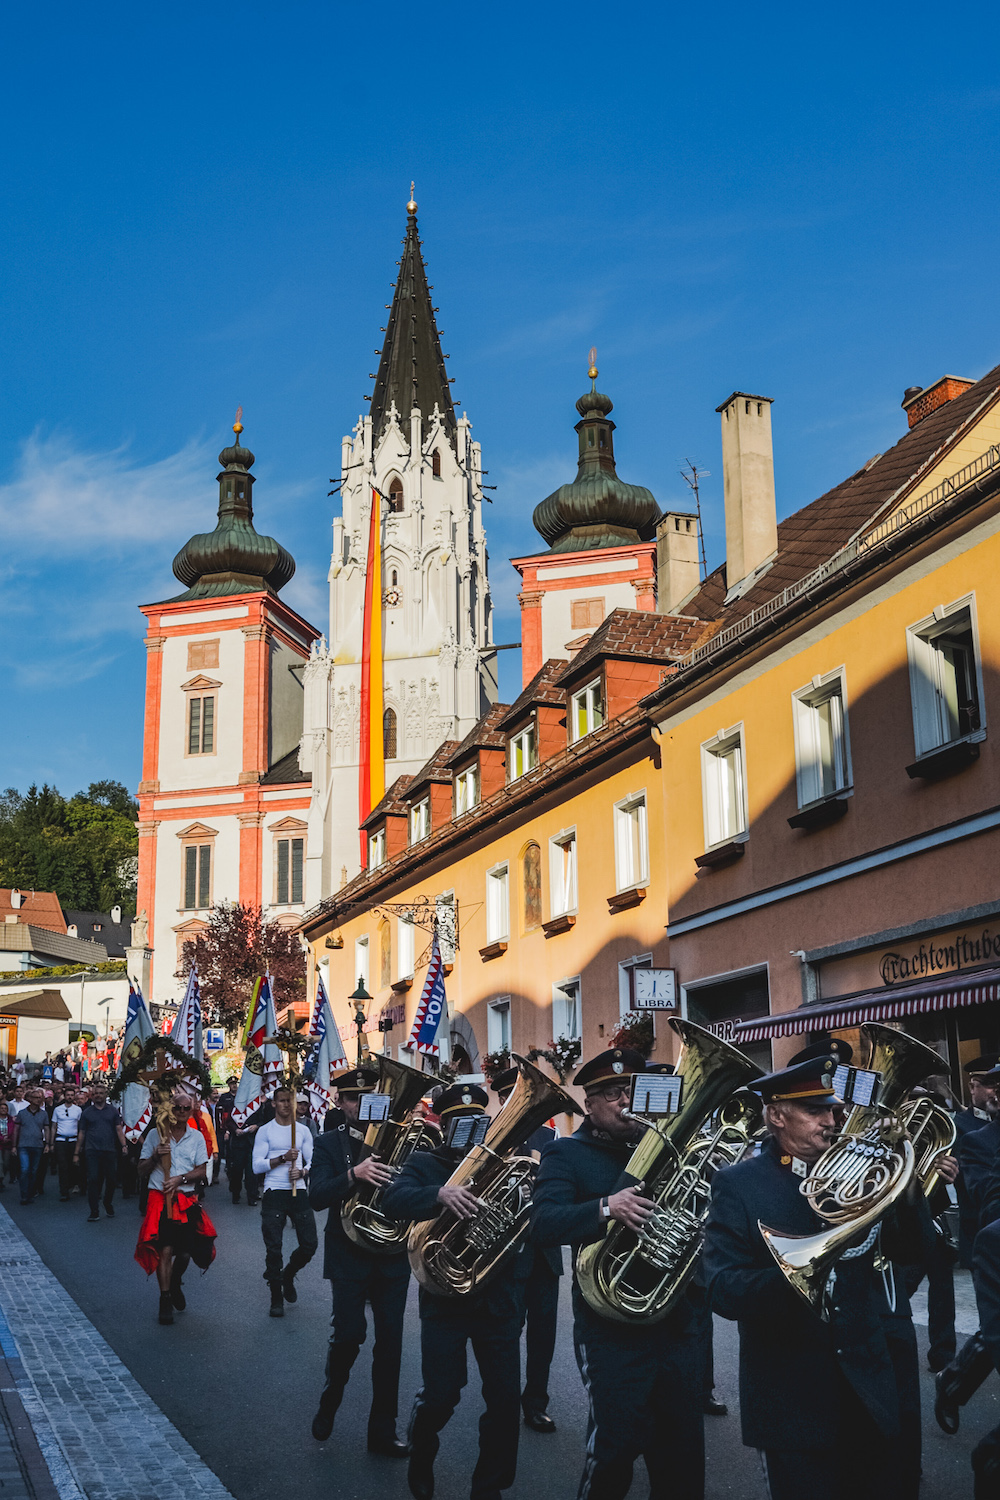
column 791, row 1362
column 414, row 1195
column 986, row 1271
column 334, row 1154
column 576, row 1172
column 978, row 1152
column 551, row 1254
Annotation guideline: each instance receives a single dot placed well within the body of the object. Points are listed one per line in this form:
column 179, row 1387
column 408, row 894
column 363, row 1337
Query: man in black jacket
column 541, row 1292
column 818, row 1398
column 490, row 1320
column 341, row 1161
column 645, row 1382
column 986, row 1272
column 982, row 1107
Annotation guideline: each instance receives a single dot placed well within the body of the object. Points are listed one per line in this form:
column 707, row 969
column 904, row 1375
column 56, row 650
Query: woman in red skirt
column 175, row 1229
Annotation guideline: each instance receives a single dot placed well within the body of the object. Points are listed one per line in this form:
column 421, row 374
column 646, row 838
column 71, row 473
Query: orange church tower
column 222, row 801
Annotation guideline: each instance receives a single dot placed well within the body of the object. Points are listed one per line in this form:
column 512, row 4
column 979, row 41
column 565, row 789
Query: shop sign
column 725, row 1030
column 390, row 1016
column 967, row 950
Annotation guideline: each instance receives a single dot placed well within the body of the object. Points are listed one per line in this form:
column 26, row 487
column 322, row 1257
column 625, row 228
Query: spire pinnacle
column 411, row 207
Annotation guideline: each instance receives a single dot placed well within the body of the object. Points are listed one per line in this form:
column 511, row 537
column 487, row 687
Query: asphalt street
column 242, row 1387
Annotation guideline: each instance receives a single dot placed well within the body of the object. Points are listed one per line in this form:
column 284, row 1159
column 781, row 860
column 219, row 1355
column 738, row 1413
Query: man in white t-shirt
column 65, row 1128
column 18, row 1102
column 284, row 1164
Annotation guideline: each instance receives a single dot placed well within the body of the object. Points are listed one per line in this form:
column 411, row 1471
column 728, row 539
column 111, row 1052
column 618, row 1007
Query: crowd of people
column 834, row 1397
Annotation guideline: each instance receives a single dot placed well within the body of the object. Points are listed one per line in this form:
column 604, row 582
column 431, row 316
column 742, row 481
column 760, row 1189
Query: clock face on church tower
column 390, row 598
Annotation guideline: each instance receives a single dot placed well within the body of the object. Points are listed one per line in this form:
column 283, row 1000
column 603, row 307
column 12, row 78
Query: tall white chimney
column 748, row 477
column 678, row 573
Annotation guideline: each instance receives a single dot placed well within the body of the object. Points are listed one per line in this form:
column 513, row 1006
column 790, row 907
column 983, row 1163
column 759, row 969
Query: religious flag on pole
column 432, row 1007
column 262, row 1064
column 186, row 1030
column 135, row 1106
column 327, row 1057
column 371, row 786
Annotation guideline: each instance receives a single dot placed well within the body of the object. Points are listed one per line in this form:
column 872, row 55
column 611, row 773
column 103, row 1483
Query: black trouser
column 102, row 1170
column 645, row 1399
column 705, row 1331
column 939, row 1268
column 541, row 1309
column 860, row 1462
column 68, row 1173
column 382, row 1282
column 495, row 1340
column 241, row 1168
column 278, row 1207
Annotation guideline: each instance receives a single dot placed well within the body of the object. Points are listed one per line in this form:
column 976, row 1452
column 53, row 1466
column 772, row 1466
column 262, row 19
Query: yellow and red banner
column 371, row 787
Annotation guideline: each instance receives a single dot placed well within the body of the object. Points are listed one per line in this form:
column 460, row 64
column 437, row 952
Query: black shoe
column 252, row 1202
column 277, row 1302
column 713, row 1408
column 236, row 1197
column 388, row 1447
column 64, row 1198
column 93, row 1219
column 538, row 1419
column 166, row 1308
column 109, row 1210
column 420, row 1476
column 322, row 1422
column 288, row 1287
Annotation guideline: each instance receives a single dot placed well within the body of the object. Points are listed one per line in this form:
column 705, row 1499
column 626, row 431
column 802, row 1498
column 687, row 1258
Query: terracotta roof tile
column 392, row 802
column 436, row 768
column 640, row 634
column 541, row 689
column 815, row 533
column 38, row 908
column 483, row 736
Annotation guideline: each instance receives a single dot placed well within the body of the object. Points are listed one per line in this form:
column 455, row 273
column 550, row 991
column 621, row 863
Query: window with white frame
column 497, row 904
column 724, row 787
column 631, row 842
column 562, row 873
column 466, row 790
column 289, row 859
column 498, row 1024
column 376, row 849
column 445, row 911
column 587, row 711
column 404, row 947
column 945, row 677
column 626, row 981
column 566, row 1018
column 523, row 754
column 822, row 757
column 420, row 820
column 361, row 970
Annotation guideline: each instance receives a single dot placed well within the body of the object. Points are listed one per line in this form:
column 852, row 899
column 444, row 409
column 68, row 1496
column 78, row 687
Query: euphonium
column 637, row 1278
column 869, row 1166
column 453, row 1256
column 391, row 1140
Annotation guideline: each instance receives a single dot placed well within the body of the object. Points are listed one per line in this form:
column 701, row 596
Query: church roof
column 411, row 371
column 285, row 771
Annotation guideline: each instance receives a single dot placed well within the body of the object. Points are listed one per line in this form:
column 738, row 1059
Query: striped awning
column 957, row 993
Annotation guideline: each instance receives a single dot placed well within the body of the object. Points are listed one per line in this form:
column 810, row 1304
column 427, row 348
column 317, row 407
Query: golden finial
column 238, row 424
column 411, row 207
column 592, row 371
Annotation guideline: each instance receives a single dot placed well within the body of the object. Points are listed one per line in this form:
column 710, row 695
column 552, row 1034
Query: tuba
column 454, row 1257
column 392, row 1140
column 869, row 1166
column 637, row 1278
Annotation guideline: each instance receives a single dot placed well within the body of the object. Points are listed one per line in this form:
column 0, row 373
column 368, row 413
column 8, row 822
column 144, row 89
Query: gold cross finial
column 592, row 371
column 411, row 207
column 238, row 424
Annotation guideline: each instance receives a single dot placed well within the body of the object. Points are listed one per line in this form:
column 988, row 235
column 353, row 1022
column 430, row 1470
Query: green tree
column 84, row 848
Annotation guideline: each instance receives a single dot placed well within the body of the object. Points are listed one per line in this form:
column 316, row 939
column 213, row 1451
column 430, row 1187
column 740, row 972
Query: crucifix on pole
column 294, row 1045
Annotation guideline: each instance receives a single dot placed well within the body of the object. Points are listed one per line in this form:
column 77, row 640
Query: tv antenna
column 692, row 477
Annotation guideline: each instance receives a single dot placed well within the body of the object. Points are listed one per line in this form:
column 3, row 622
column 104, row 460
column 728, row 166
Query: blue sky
column 203, row 206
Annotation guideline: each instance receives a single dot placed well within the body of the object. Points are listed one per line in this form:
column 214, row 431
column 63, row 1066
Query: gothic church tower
column 440, row 665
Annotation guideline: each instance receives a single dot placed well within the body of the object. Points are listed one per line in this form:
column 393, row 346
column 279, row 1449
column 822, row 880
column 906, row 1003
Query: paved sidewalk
column 75, row 1422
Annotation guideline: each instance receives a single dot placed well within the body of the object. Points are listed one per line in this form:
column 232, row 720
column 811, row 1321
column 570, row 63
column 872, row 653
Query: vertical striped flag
column 136, row 1109
column 371, row 785
column 187, row 1029
column 432, row 1007
column 262, row 1064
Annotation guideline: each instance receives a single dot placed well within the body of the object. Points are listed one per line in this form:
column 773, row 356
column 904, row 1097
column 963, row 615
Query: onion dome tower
column 234, row 558
column 598, row 509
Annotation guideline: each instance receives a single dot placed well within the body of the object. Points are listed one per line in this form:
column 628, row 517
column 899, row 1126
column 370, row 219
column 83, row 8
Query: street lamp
column 360, row 1000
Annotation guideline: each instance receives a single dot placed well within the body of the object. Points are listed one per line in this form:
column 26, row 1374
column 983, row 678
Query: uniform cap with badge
column 461, row 1098
column 355, row 1081
column 809, row 1083
column 614, row 1065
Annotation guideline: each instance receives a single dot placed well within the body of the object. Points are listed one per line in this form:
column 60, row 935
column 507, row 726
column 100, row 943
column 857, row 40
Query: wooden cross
column 293, row 1044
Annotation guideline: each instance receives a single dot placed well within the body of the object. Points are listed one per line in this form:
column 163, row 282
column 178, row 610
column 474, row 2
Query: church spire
column 411, row 371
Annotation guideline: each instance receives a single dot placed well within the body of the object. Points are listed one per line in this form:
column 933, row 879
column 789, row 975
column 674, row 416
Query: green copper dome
column 598, row 509
column 234, row 558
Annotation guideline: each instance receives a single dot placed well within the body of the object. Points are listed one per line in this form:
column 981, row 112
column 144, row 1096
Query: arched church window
column 395, row 494
column 436, row 464
column 395, row 578
column 389, row 734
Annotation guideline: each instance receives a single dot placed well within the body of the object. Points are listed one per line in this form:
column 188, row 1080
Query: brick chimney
column 919, row 403
column 678, row 572
column 748, row 479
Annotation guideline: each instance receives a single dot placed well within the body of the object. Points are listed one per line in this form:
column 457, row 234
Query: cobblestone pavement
column 125, row 1398
column 99, row 1433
